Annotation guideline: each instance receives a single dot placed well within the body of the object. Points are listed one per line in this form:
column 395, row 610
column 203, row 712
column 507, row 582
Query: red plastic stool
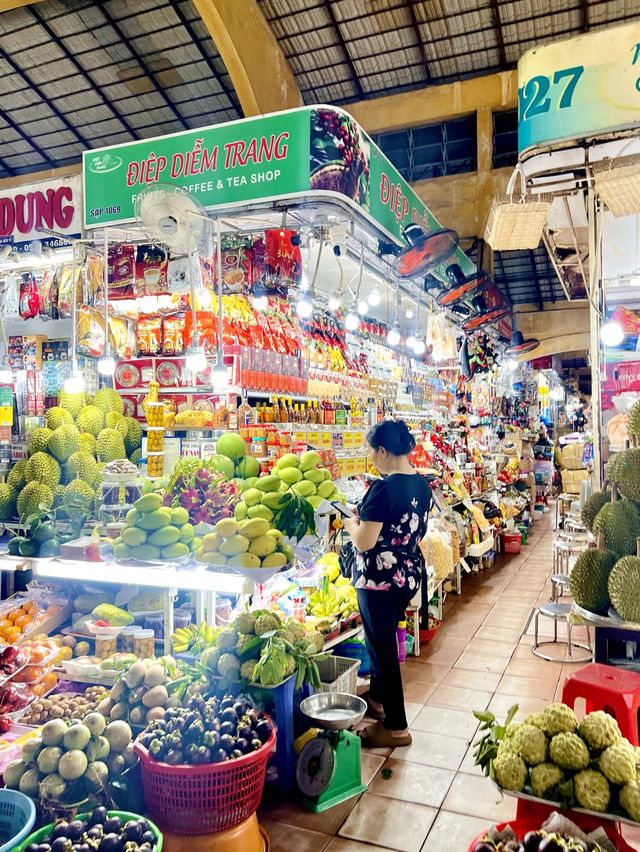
column 615, row 690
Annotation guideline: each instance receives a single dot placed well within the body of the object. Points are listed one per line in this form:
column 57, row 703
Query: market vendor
column 388, row 568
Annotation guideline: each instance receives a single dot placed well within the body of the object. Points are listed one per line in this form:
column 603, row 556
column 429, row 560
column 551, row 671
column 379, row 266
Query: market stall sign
column 27, row 210
column 312, row 151
column 580, row 87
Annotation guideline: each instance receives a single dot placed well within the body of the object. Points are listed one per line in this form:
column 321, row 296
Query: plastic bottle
column 401, row 636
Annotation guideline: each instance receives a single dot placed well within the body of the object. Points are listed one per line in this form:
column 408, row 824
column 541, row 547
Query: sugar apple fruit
column 531, row 744
column 545, row 777
column 630, row 799
column 599, row 730
column 591, row 790
column 618, row 763
column 568, row 751
column 558, row 719
column 510, row 772
column 535, row 719
column 512, row 728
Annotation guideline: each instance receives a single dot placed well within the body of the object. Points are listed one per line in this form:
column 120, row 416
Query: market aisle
column 436, row 799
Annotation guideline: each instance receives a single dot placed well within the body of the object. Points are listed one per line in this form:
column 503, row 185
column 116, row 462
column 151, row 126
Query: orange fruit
column 48, row 681
column 32, row 610
column 27, row 605
column 15, row 613
column 4, row 623
column 12, row 633
column 22, row 621
column 39, row 689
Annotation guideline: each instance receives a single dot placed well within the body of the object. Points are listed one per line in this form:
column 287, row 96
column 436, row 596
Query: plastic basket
column 356, row 651
column 523, row 825
column 39, row 835
column 339, row 674
column 17, row 816
column 207, row 798
column 512, row 542
column 427, row 635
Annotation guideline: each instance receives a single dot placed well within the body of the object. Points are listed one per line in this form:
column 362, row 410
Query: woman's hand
column 364, row 534
column 351, row 525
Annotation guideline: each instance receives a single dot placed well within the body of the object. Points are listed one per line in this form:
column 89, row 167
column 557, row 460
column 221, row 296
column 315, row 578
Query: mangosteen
column 244, row 730
column 61, row 844
column 98, row 815
column 60, row 829
column 240, row 708
column 228, row 743
column 253, row 716
column 148, row 837
column 228, row 729
column 218, row 755
column 484, row 846
column 550, row 844
column 532, row 840
column 112, row 825
column 44, row 847
column 144, row 825
column 235, row 754
column 263, row 730
column 95, row 832
column 227, row 702
column 242, row 745
column 75, row 830
column 229, row 715
column 256, row 744
column 110, row 843
column 132, row 831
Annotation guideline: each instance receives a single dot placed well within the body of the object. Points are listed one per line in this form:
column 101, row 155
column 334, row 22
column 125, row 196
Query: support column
column 595, row 288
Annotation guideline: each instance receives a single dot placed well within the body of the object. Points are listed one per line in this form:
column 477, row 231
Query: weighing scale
column 328, row 767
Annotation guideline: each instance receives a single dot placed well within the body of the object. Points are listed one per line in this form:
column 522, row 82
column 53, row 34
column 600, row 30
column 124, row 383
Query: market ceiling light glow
column 363, row 307
column 612, row 334
column 374, row 297
column 351, row 321
column 304, row 308
column 196, row 359
column 557, row 394
column 260, row 303
column 419, row 347
column 411, row 341
column 512, row 365
column 304, row 281
column 334, row 302
column 409, row 313
column 106, row 366
column 74, row 383
column 204, row 297
column 393, row 336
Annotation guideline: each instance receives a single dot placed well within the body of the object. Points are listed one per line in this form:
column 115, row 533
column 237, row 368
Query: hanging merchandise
column 425, row 251
column 173, row 328
column 122, row 271
column 149, row 335
column 151, row 271
column 66, row 291
column 236, row 265
column 462, row 287
column 29, row 299
column 178, row 274
column 283, row 260
column 49, row 294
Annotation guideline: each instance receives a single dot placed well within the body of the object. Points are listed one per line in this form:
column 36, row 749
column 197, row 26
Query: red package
column 207, row 327
column 49, row 295
column 121, row 272
column 149, row 335
column 29, row 299
column 283, row 259
column 173, row 335
column 151, row 271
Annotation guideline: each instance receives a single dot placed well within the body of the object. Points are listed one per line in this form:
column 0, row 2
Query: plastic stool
column 617, row 691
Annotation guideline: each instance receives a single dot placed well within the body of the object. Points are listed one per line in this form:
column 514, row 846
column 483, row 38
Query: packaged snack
column 283, row 259
column 119, row 335
column 29, row 299
column 149, row 334
column 178, row 274
column 49, row 295
column 207, row 327
column 93, row 279
column 66, row 294
column 173, row 335
column 151, row 271
column 121, row 271
column 236, row 265
column 90, row 332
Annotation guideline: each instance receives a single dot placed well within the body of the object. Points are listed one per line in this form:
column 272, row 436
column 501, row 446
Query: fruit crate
column 39, row 835
column 339, row 674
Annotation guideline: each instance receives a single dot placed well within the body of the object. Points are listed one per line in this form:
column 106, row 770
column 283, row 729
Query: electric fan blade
column 425, row 252
column 487, row 318
column 520, row 346
column 172, row 217
column 470, row 287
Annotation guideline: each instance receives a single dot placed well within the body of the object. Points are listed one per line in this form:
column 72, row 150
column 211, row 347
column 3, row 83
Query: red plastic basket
column 522, row 825
column 512, row 542
column 207, row 798
column 427, row 635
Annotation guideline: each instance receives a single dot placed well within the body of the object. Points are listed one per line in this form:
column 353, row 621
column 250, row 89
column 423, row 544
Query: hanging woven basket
column 516, row 224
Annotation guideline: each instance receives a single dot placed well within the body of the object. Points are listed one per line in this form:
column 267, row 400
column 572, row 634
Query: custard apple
column 531, row 744
column 591, row 790
column 558, row 719
column 506, row 747
column 545, row 777
column 510, row 772
column 630, row 799
column 599, row 730
column 618, row 763
column 512, row 728
column 535, row 719
column 568, row 751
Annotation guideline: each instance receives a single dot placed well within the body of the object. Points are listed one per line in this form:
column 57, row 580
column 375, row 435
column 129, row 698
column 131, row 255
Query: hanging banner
column 585, row 86
column 311, row 152
column 25, row 213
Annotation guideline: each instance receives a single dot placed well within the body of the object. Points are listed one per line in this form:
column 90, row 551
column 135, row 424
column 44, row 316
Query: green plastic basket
column 38, row 836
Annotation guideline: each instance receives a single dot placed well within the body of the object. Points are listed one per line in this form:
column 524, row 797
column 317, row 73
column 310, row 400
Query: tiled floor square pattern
column 435, row 799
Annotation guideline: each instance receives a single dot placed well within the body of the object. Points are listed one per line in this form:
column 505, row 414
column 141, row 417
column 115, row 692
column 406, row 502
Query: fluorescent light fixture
column 196, row 359
column 204, row 297
column 304, row 281
column 260, row 303
column 334, row 302
column 419, row 347
column 106, row 366
column 374, row 297
column 74, row 383
column 409, row 313
column 351, row 321
column 363, row 307
column 512, row 365
column 411, row 341
column 393, row 336
column 557, row 394
column 304, row 308
column 611, row 334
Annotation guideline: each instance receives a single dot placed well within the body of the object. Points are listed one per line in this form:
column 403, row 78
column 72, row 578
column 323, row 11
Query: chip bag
column 66, row 293
column 49, row 295
column 149, row 335
column 173, row 335
column 93, row 279
column 29, row 299
column 90, row 332
column 151, row 271
column 121, row 271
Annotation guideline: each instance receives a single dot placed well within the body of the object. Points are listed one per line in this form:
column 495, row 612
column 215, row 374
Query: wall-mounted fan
column 424, row 252
column 520, row 346
column 462, row 286
column 172, row 217
column 483, row 315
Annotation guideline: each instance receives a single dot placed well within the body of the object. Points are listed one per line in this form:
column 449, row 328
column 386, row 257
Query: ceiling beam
column 495, row 14
column 536, row 280
column 415, row 25
column 343, row 47
column 584, row 9
column 260, row 74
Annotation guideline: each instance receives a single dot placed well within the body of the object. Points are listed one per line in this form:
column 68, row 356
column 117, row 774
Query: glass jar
column 126, row 638
column 106, row 645
column 143, row 643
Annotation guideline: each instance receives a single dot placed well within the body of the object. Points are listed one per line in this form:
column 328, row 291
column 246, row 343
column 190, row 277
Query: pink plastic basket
column 512, row 542
column 207, row 798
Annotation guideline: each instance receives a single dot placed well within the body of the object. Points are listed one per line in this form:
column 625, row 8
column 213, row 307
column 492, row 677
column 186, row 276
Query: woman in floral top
column 388, row 568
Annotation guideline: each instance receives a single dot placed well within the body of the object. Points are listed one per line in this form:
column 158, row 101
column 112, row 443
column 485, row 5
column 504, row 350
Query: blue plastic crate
column 355, row 650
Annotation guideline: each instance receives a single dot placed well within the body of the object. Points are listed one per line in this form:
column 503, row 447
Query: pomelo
column 248, row 467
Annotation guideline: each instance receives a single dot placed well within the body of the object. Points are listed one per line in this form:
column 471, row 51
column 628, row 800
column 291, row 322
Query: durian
column 108, row 400
column 110, row 445
column 32, row 497
column 91, row 420
column 589, row 580
column 628, row 473
column 624, row 588
column 64, row 442
column 633, row 420
column 592, row 506
column 619, row 523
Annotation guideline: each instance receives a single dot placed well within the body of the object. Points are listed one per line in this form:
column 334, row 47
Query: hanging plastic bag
column 29, row 298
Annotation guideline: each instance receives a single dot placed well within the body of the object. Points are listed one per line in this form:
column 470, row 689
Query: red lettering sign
column 53, row 209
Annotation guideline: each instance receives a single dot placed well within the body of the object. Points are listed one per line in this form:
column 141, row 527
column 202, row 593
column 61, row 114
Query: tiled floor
column 435, row 798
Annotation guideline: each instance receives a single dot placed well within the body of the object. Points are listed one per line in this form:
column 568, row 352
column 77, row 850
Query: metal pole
column 74, row 312
column 219, row 277
column 595, row 350
column 107, row 346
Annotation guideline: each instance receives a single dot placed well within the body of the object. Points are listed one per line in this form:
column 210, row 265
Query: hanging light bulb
column 106, row 365
column 6, row 373
column 411, row 341
column 351, row 321
column 419, row 347
column 374, row 297
column 204, row 297
column 260, row 303
column 219, row 377
column 304, row 307
column 334, row 302
column 304, row 281
column 409, row 313
column 196, row 359
column 363, row 307
column 612, row 334
column 74, row 383
column 393, row 336
column 512, row 365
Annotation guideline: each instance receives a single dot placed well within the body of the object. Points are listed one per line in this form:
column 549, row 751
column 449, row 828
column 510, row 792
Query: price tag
column 300, row 437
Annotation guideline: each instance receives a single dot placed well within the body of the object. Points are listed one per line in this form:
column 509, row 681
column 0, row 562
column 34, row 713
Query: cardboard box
column 572, row 456
column 572, row 480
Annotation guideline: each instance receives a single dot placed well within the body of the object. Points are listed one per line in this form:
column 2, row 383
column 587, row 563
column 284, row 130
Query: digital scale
column 328, row 767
